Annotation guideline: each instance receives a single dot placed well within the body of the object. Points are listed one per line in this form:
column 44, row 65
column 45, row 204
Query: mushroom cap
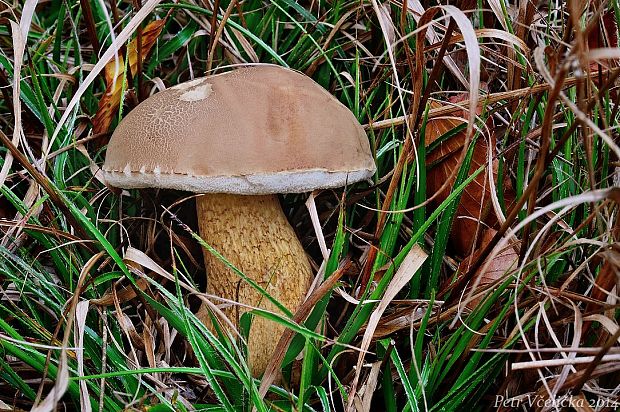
column 256, row 130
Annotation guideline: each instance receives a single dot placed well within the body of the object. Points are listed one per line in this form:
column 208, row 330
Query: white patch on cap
column 188, row 85
column 157, row 170
column 127, row 170
column 197, row 93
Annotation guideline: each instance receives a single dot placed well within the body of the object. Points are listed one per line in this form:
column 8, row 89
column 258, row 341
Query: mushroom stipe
column 272, row 256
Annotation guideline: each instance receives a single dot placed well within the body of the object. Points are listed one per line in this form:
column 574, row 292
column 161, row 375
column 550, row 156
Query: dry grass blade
column 549, row 363
column 218, row 34
column 80, row 326
column 383, row 13
column 94, row 168
column 417, row 11
column 137, row 260
column 62, row 379
column 246, row 45
column 592, row 196
column 20, row 35
column 488, row 99
column 368, row 389
column 401, row 319
column 410, row 265
column 609, row 324
column 387, row 29
column 581, row 116
column 473, row 56
column 487, row 33
column 149, row 346
column 496, row 6
column 316, row 224
column 136, row 257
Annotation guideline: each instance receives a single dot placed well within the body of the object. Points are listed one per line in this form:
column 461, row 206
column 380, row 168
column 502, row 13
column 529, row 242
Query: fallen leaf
column 475, row 204
column 150, row 33
column 115, row 75
column 505, row 261
column 124, row 294
column 608, row 278
column 606, row 35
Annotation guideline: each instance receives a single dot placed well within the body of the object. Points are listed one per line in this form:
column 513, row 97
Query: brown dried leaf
column 505, row 261
column 607, row 278
column 115, row 75
column 475, row 205
column 149, row 345
column 399, row 320
column 150, row 33
column 125, row 294
column 606, row 35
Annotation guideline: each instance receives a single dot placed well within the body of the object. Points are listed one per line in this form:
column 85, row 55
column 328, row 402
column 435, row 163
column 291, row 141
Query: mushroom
column 241, row 138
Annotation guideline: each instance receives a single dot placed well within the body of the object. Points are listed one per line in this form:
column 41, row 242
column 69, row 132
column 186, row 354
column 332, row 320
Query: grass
column 99, row 288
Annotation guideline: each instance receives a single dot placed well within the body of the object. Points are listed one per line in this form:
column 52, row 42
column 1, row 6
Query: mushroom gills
column 253, row 234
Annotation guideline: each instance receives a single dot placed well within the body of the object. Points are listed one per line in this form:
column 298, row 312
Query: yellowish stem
column 253, row 234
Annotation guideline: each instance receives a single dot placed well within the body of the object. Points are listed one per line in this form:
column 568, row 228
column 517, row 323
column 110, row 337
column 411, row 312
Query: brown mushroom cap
column 256, row 130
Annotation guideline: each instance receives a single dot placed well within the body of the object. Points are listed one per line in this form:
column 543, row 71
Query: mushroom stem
column 254, row 235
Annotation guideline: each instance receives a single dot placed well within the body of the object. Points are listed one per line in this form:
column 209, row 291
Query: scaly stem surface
column 253, row 234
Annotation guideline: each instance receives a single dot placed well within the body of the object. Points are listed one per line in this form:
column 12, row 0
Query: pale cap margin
column 282, row 182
